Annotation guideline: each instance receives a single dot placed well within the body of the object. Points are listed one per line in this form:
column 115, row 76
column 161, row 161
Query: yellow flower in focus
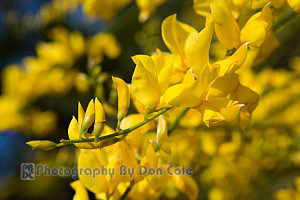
column 123, row 98
column 189, row 48
column 99, row 119
column 226, row 27
column 94, row 114
column 145, row 85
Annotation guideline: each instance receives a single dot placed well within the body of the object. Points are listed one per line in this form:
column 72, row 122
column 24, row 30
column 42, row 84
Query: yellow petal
column 219, row 110
column 250, row 100
column 175, row 34
column 89, row 116
column 99, row 111
column 92, row 159
column 42, row 145
column 226, row 27
column 145, row 86
column 231, row 113
column 270, row 44
column 294, row 4
column 205, row 80
column 164, row 65
column 150, row 160
column 162, row 135
column 197, row 49
column 126, row 156
column 223, row 86
column 123, row 97
column 182, row 94
column 147, row 62
column 211, row 117
column 201, row 7
column 99, row 119
column 81, row 114
column 80, row 191
column 234, row 62
column 73, row 130
column 73, row 133
column 254, row 33
column 245, row 95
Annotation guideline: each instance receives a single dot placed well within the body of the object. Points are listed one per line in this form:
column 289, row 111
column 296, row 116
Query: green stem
column 119, row 133
column 177, row 120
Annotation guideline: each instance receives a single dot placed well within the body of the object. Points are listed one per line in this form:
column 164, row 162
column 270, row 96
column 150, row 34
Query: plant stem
column 177, row 120
column 119, row 133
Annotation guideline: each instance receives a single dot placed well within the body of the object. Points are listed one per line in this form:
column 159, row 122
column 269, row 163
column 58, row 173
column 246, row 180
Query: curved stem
column 119, row 133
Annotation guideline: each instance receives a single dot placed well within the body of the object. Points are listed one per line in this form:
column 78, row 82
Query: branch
column 119, row 133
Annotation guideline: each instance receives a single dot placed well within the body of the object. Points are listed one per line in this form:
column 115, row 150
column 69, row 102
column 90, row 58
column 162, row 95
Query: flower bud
column 80, row 115
column 162, row 135
column 123, row 98
column 88, row 118
column 43, row 145
column 99, row 119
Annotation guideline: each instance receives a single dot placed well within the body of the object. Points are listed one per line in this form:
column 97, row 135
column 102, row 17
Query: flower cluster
column 52, row 73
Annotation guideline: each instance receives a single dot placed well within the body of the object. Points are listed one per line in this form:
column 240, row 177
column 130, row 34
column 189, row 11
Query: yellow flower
column 145, row 86
column 226, row 27
column 123, row 98
column 99, row 119
column 75, row 129
column 89, row 117
column 162, row 135
column 189, row 48
column 92, row 159
column 43, row 145
column 191, row 92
